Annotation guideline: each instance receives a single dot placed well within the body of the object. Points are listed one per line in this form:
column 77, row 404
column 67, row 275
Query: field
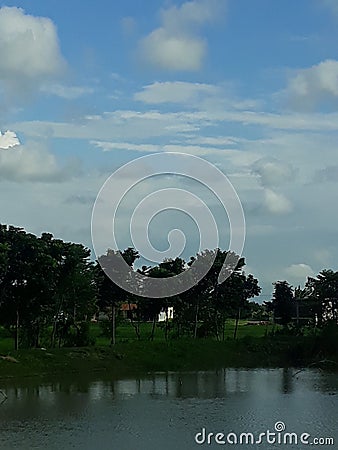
column 126, row 333
column 254, row 347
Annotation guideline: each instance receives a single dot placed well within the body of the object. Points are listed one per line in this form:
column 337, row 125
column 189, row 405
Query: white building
column 166, row 314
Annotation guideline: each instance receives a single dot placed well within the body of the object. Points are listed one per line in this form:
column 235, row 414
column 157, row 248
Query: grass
column 126, row 332
column 135, row 358
column 253, row 348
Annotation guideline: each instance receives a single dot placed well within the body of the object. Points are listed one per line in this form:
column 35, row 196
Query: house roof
column 128, row 306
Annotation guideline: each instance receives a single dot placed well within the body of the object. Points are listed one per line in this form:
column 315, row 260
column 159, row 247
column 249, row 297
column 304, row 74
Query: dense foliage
column 50, row 290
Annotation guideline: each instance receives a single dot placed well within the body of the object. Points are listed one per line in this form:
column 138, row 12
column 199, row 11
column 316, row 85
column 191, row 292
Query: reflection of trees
column 68, row 397
column 287, row 381
column 47, row 400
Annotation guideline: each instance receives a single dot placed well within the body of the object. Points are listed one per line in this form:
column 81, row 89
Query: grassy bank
column 136, row 358
column 255, row 347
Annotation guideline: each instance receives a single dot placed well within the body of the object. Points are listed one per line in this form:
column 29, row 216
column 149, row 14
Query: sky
column 251, row 87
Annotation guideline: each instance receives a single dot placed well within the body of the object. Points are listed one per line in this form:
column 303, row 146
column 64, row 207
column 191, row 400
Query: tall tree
column 110, row 294
column 324, row 293
column 283, row 302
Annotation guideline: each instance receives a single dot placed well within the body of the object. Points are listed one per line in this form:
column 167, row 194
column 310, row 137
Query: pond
column 253, row 408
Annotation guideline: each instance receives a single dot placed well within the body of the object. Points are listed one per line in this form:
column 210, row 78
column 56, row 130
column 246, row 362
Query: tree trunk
column 52, row 339
column 166, row 325
column 216, row 325
column 153, row 329
column 297, row 313
column 37, row 335
column 135, row 326
column 237, row 320
column 17, row 324
column 223, row 327
column 113, row 326
column 196, row 319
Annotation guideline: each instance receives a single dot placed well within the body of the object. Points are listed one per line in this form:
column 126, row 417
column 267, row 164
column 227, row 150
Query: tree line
column 316, row 304
column 50, row 290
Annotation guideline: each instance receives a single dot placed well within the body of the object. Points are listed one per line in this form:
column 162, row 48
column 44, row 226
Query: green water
column 167, row 411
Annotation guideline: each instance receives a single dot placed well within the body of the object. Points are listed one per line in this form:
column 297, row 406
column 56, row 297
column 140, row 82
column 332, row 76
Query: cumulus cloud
column 8, row 140
column 176, row 45
column 314, row 86
column 276, row 203
column 169, row 52
column 29, row 49
column 33, row 162
column 191, row 14
column 298, row 273
column 273, row 172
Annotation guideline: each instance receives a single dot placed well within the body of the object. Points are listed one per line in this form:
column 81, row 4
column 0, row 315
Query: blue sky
column 250, row 86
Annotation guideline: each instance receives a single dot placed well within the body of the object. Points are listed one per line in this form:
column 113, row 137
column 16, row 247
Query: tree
column 43, row 281
column 324, row 294
column 282, row 302
column 110, row 294
column 19, row 257
column 204, row 308
column 248, row 288
column 74, row 298
column 153, row 306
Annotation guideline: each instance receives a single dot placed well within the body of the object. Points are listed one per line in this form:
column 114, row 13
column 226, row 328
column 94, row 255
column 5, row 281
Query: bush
column 78, row 336
column 328, row 339
column 105, row 326
column 5, row 333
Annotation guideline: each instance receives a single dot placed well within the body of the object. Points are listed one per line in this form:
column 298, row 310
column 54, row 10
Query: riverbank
column 137, row 358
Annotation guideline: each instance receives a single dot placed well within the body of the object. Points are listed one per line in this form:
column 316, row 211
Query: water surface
column 166, row 411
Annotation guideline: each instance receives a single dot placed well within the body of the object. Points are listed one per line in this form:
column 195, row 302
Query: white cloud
column 314, row 86
column 298, row 273
column 67, row 92
column 273, row 172
column 214, row 99
column 108, row 146
column 276, row 203
column 131, row 124
column 8, row 140
column 191, row 14
column 29, row 48
column 175, row 53
column 238, row 158
column 175, row 92
column 175, row 45
column 33, row 162
column 215, row 140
